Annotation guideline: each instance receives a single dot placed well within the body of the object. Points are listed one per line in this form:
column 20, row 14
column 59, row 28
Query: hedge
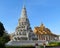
column 20, row 47
column 23, row 47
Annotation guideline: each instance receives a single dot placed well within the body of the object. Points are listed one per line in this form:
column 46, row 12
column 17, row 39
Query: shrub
column 54, row 44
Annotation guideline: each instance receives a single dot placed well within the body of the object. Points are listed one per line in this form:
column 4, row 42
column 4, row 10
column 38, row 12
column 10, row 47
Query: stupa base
column 26, row 42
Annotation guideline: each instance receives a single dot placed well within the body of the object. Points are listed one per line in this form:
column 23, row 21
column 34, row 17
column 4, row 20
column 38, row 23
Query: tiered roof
column 42, row 30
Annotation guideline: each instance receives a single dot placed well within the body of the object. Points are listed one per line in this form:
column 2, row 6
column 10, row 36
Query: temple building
column 44, row 33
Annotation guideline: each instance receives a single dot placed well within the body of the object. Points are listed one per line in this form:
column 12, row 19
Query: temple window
column 16, row 33
column 18, row 38
column 20, row 33
column 15, row 38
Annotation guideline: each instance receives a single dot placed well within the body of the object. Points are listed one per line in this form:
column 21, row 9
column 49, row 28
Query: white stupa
column 23, row 30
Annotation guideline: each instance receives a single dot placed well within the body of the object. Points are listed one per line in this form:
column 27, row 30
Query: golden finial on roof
column 42, row 24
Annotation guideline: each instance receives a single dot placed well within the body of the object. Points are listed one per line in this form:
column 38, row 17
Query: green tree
column 2, row 29
column 4, row 36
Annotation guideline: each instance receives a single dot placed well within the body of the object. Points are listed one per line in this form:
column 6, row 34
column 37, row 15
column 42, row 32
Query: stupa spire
column 24, row 12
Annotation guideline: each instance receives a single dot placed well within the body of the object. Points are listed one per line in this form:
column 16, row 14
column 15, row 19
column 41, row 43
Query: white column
column 48, row 37
column 38, row 38
column 45, row 37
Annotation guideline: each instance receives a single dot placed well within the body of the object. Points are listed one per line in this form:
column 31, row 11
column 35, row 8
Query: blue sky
column 46, row 11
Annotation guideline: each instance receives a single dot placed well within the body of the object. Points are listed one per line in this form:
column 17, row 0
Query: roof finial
column 23, row 3
column 42, row 24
